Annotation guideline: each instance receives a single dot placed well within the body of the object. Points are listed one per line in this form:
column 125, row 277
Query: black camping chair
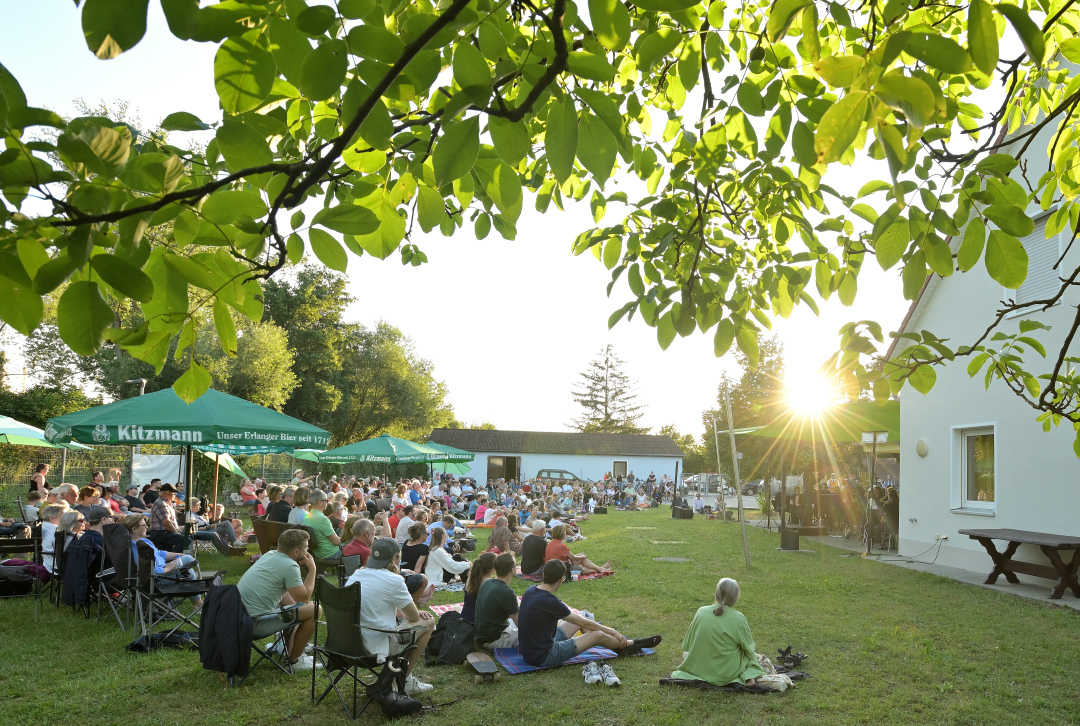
column 350, row 564
column 279, row 624
column 154, row 596
column 30, row 549
column 117, row 584
column 344, row 653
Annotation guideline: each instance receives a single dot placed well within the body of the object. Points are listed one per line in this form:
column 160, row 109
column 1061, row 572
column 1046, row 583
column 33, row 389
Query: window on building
column 1042, row 280
column 618, row 468
column 979, row 468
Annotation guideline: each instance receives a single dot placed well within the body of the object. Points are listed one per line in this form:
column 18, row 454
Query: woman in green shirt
column 719, row 647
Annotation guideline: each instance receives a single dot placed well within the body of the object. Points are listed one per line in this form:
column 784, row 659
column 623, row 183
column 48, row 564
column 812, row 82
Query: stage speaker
column 789, row 538
column 599, row 510
column 681, row 513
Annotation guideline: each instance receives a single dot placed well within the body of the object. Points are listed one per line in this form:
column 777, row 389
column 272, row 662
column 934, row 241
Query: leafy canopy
column 407, row 114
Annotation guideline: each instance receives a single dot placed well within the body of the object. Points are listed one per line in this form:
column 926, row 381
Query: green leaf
column 654, row 46
column 289, row 47
column 470, row 67
column 891, row 245
column 1030, row 33
column 482, row 228
column 666, row 6
column 183, row 121
column 1071, row 50
column 193, row 383
column 53, row 274
column 612, row 252
column 391, row 230
column 939, row 52
column 611, row 23
column 749, row 98
column 725, row 335
column 747, row 340
column 505, row 191
column 123, row 277
column 839, row 126
column 20, row 306
column 1006, row 260
column 802, row 144
column 328, row 249
column 1011, row 219
column 348, row 219
column 511, row 140
column 596, row 148
column 847, row 288
column 561, row 137
column 909, row 95
column 113, row 26
column 840, row 71
column 226, row 328
column 456, row 151
column 244, row 72
column 1033, row 344
column 976, row 364
column 430, row 208
column 375, row 42
column 242, row 146
column 938, row 255
column 914, row 275
column 972, row 247
column 590, row 65
column 982, row 36
column 294, row 248
column 227, row 206
column 324, row 70
column 923, row 378
column 782, row 14
column 665, row 330
column 316, row 20
column 82, row 316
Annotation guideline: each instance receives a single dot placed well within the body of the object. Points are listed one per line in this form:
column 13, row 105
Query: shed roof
column 556, row 442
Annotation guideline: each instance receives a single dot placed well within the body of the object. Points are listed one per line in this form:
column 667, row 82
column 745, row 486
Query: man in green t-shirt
column 497, row 606
column 326, row 544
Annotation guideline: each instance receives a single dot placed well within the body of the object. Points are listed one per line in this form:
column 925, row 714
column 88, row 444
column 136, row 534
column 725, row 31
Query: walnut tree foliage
column 393, row 116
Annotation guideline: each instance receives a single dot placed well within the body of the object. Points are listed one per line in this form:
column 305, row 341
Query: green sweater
column 720, row 649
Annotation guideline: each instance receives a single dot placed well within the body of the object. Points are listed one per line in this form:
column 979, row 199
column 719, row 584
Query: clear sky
column 507, row 325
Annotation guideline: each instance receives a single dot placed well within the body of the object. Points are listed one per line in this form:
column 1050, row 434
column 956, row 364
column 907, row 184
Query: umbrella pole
column 63, row 467
column 735, row 468
column 873, row 462
column 217, row 467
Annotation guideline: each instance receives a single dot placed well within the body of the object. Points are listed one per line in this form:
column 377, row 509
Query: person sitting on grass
column 496, row 612
column 274, row 582
column 534, row 548
column 414, row 552
column 326, row 544
column 504, row 537
column 478, row 573
column 718, row 647
column 387, row 605
column 546, row 626
column 439, row 566
column 557, row 550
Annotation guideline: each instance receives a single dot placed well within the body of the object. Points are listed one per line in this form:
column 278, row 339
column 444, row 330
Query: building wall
column 1037, row 473
column 585, row 466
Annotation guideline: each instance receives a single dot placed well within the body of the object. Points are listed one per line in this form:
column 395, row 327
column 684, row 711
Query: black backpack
column 451, row 642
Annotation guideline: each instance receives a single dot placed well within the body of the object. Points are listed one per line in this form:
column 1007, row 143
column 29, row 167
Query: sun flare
column 809, row 394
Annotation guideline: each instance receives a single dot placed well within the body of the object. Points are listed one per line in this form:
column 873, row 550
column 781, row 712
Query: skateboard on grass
column 483, row 667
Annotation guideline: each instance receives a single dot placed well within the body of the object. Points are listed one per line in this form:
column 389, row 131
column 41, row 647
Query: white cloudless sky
column 507, row 325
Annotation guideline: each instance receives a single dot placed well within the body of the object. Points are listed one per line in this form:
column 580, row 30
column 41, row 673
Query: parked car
column 561, row 476
column 706, row 483
column 751, row 488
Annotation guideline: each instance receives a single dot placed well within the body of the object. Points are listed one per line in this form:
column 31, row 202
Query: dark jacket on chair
column 225, row 632
column 83, row 560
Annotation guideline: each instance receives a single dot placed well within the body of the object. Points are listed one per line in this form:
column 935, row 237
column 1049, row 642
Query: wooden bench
column 1050, row 544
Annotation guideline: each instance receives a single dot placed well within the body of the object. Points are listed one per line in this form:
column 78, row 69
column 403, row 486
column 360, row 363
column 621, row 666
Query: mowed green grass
column 887, row 646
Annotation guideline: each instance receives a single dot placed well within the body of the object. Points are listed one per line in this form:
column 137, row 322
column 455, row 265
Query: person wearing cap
column 387, row 604
column 274, row 581
column 164, row 531
column 135, row 505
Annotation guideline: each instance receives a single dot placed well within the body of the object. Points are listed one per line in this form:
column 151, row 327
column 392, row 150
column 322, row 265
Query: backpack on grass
column 451, row 641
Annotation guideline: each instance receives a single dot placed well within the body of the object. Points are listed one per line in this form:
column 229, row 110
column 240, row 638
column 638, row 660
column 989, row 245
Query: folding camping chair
column 154, row 595
column 344, row 653
column 30, row 548
column 264, row 626
column 117, row 584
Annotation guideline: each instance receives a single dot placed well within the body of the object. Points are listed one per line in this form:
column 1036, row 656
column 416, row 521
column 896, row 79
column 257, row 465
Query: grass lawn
column 887, row 646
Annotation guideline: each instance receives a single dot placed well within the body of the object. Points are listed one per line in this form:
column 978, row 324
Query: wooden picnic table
column 1050, row 544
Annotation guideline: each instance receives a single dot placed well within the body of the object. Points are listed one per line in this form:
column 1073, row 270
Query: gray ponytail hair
column 727, row 593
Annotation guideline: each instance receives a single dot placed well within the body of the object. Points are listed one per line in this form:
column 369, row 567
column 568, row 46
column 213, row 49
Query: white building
column 977, row 458
column 522, row 454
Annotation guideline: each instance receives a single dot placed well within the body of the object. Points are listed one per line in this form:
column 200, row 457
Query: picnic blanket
column 514, row 663
column 733, row 687
column 471, row 525
column 581, row 576
column 441, row 610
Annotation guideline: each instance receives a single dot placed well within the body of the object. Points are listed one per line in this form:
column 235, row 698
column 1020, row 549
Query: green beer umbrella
column 383, row 449
column 450, row 455
column 213, row 422
column 20, row 434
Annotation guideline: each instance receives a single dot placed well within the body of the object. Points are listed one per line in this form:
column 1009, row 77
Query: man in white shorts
column 495, row 617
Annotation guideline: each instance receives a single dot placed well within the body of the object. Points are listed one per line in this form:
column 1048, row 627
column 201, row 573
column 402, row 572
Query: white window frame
column 960, row 504
column 1010, row 295
column 626, row 467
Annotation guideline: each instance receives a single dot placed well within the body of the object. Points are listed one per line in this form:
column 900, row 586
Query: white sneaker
column 305, row 663
column 610, row 679
column 591, row 671
column 414, row 686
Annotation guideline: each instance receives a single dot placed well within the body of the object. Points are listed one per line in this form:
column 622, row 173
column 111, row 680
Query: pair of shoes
column 414, row 686
column 591, row 671
column 305, row 663
column 608, row 675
